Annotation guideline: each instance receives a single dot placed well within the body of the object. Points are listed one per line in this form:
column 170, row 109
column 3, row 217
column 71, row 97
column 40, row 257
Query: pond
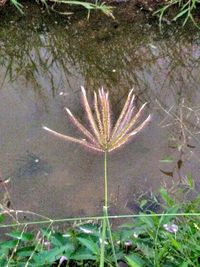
column 43, row 63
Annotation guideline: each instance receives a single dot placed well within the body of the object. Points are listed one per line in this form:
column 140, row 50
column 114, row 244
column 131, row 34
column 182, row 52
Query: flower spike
column 101, row 137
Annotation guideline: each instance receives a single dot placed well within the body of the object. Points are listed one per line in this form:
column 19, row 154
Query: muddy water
column 43, row 63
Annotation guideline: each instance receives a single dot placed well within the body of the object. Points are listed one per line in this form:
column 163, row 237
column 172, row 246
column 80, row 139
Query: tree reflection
column 163, row 66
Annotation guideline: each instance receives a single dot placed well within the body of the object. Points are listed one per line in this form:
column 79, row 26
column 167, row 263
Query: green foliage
column 134, row 260
column 17, row 5
column 170, row 238
column 185, row 11
column 107, row 10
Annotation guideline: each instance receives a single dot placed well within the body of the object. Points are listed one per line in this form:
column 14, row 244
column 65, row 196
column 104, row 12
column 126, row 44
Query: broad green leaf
column 25, row 251
column 147, row 220
column 21, row 236
column 83, row 254
column 184, row 264
column 90, row 229
column 124, row 234
column 3, row 262
column 89, row 244
column 48, row 257
column 8, row 244
column 57, row 239
column 134, row 260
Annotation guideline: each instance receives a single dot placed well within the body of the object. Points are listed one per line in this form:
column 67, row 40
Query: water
column 43, row 63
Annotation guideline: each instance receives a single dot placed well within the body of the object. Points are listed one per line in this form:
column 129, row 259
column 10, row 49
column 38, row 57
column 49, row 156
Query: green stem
column 106, row 179
column 111, row 239
column 106, row 222
column 105, row 214
column 156, row 263
column 126, row 216
column 103, row 237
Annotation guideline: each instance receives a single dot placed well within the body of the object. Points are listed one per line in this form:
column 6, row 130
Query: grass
column 168, row 238
column 105, row 137
column 50, row 5
column 185, row 10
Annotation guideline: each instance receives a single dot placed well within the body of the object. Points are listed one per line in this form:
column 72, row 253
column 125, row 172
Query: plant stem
column 103, row 237
column 105, row 213
column 105, row 179
column 106, row 222
column 111, row 239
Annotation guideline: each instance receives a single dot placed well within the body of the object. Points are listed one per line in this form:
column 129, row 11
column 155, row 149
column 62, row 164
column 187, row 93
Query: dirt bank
column 147, row 5
column 127, row 11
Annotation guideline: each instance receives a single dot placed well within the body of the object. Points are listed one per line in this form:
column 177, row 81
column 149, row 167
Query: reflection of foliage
column 103, row 53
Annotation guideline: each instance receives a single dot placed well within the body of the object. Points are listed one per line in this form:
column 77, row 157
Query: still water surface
column 42, row 66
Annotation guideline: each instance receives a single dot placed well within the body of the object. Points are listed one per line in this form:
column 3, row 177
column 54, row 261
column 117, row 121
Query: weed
column 104, row 138
column 185, row 10
column 105, row 9
column 169, row 238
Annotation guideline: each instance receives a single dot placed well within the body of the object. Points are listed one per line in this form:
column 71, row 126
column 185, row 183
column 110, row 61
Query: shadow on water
column 43, row 63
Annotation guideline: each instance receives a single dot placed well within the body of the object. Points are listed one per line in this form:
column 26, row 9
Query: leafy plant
column 170, row 238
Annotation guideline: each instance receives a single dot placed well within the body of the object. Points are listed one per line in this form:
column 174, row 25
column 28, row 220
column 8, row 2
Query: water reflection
column 41, row 71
